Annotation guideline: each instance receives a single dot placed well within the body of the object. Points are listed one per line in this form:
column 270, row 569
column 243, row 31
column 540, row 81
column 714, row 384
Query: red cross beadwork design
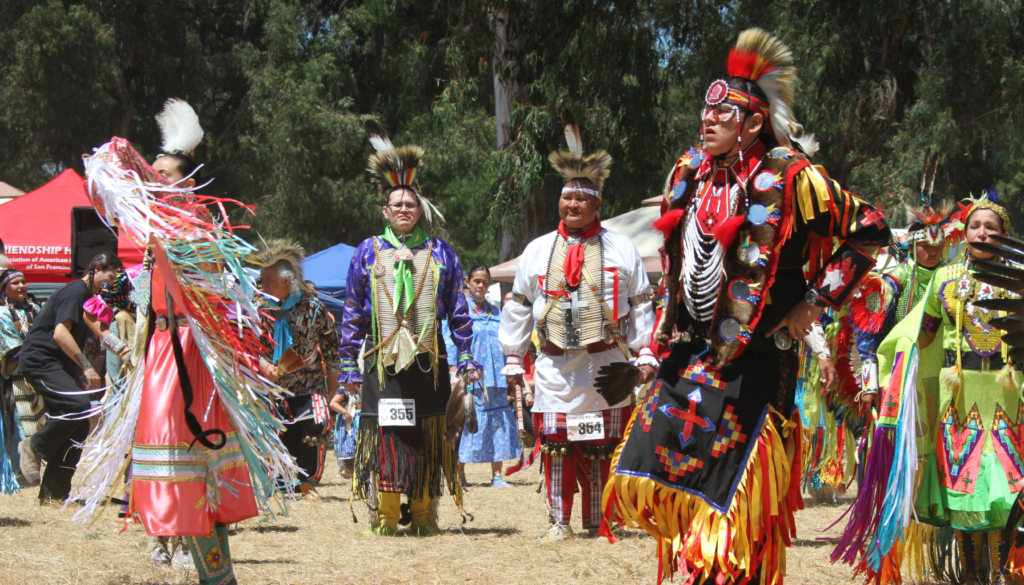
column 873, row 217
column 690, row 418
column 728, row 433
column 675, row 463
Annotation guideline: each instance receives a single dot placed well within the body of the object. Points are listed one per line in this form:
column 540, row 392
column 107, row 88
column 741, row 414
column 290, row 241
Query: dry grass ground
column 318, row 543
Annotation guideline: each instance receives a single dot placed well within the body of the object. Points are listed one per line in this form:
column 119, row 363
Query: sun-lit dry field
column 319, row 543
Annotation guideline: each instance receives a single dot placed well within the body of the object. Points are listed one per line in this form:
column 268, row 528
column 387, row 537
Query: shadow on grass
column 335, row 499
column 810, row 543
column 620, row 534
column 500, row 531
column 14, row 523
column 841, row 500
column 275, row 528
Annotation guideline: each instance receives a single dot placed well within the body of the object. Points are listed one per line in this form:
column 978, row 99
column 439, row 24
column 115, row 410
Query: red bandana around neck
column 573, row 266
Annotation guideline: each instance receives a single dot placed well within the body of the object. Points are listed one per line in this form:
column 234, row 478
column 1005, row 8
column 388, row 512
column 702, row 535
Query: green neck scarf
column 404, row 288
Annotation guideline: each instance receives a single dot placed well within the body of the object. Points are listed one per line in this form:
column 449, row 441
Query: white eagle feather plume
column 179, row 127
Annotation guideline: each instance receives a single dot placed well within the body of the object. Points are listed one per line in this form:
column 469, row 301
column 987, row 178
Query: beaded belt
column 972, row 361
column 597, row 347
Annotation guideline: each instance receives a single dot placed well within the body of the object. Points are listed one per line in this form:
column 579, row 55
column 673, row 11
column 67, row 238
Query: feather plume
column 595, row 167
column 1005, row 377
column 290, row 362
column 765, row 60
column 378, row 138
column 861, row 314
column 179, row 127
column 617, row 381
column 924, row 169
column 391, row 167
column 395, row 167
column 931, row 179
column 929, row 215
column 572, row 133
column 572, row 164
column 429, row 210
column 951, row 378
column 456, row 412
column 277, row 250
column 805, row 142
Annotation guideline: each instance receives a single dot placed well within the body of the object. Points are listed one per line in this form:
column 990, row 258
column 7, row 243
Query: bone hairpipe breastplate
column 702, row 258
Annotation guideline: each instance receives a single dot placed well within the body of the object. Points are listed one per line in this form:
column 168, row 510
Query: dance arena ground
column 319, row 543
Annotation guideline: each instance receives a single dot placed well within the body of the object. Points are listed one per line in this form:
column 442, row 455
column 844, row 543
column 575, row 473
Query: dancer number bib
column 588, row 426
column 396, row 412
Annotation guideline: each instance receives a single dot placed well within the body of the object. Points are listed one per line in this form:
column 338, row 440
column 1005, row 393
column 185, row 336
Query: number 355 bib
column 396, row 412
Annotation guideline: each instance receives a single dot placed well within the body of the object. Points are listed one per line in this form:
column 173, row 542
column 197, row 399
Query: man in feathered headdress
column 305, row 348
column 586, row 291
column 400, row 285
column 712, row 452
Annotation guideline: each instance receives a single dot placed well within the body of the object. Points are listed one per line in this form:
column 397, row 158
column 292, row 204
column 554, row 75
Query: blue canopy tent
column 328, row 270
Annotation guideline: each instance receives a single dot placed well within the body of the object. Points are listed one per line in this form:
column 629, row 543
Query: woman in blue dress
column 497, row 440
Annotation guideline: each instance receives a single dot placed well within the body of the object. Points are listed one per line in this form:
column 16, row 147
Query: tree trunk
column 535, row 222
column 505, row 90
column 535, row 219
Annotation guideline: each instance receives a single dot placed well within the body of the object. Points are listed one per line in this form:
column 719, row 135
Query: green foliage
column 601, row 60
column 884, row 81
column 282, row 88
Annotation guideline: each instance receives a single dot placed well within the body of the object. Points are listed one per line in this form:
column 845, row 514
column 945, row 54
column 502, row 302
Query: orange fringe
column 701, row 542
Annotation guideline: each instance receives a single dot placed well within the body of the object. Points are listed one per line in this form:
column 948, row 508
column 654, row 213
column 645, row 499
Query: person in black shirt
column 51, row 358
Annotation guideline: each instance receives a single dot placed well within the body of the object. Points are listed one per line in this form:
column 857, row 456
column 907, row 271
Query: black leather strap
column 186, row 389
column 974, row 362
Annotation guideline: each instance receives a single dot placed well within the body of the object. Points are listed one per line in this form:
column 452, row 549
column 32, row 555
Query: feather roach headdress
column 764, row 60
column 179, row 127
column 396, row 167
column 926, row 223
column 275, row 250
column 572, row 164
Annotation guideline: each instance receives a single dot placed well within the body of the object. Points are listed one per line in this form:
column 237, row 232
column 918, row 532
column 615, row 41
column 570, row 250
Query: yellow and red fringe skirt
column 719, row 497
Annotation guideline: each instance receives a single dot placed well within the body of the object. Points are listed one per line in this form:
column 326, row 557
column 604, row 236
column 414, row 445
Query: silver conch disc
column 757, row 214
column 739, row 290
column 729, row 329
column 783, row 341
column 748, row 255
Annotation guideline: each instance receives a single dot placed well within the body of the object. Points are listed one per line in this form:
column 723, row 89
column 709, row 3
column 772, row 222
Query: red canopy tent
column 36, row 230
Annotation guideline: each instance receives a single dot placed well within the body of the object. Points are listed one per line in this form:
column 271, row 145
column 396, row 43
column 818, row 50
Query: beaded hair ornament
column 989, row 200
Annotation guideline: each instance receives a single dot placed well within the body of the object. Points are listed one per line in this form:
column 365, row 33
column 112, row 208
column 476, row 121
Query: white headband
column 582, row 190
